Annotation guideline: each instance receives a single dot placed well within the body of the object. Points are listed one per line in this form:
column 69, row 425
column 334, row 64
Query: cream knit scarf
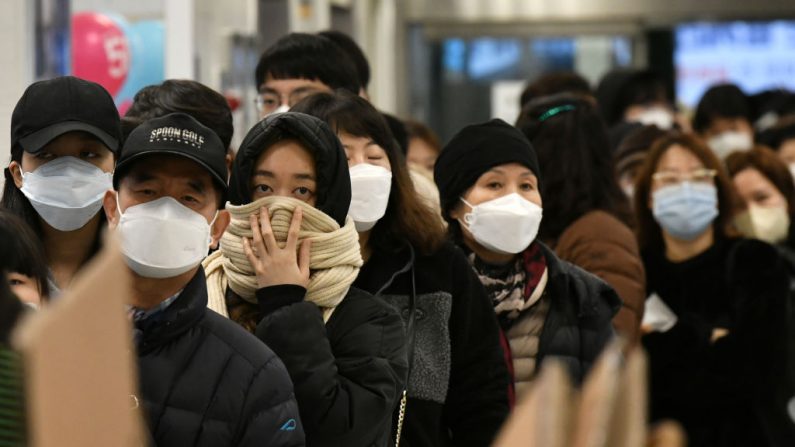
column 334, row 263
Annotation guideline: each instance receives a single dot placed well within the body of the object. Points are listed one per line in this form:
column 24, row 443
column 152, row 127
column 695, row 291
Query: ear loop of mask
column 467, row 216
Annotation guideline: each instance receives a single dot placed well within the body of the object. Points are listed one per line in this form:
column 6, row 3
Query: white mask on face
column 769, row 224
column 282, row 109
column 657, row 116
column 725, row 143
column 506, row 225
column 163, row 238
column 370, row 187
column 66, row 192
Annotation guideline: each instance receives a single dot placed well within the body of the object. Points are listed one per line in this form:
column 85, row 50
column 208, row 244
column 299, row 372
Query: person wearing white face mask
column 723, row 120
column 230, row 388
column 730, row 298
column 489, row 178
column 64, row 135
column 458, row 392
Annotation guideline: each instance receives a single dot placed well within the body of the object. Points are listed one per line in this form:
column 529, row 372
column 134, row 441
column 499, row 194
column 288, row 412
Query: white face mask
column 769, row 224
column 506, row 225
column 657, row 116
column 163, row 238
column 370, row 187
column 282, row 109
column 725, row 143
column 66, row 192
column 791, row 167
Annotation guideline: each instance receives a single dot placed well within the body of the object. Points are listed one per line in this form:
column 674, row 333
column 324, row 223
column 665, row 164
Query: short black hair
column 353, row 51
column 176, row 95
column 622, row 88
column 721, row 101
column 23, row 251
column 308, row 56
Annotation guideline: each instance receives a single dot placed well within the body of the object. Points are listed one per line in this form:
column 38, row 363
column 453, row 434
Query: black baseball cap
column 175, row 134
column 51, row 108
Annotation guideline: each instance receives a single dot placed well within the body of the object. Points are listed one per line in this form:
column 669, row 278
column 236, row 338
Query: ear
column 221, row 222
column 457, row 211
column 16, row 172
column 110, row 205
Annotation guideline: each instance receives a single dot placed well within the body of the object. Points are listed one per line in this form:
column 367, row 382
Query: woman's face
column 421, row 153
column 72, row 144
column 286, row 169
column 363, row 150
column 25, row 288
column 679, row 164
column 756, row 189
column 497, row 182
column 787, row 151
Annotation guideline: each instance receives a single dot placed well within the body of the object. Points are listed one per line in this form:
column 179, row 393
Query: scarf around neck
column 335, row 257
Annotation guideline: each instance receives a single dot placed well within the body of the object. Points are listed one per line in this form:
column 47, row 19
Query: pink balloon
column 100, row 51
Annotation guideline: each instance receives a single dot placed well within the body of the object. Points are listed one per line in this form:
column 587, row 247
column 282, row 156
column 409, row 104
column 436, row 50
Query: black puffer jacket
column 207, row 382
column 458, row 388
column 578, row 325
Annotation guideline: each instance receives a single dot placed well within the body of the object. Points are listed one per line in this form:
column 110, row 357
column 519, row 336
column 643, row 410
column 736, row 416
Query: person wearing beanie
column 286, row 269
column 203, row 380
column 458, row 385
column 65, row 133
column 489, row 181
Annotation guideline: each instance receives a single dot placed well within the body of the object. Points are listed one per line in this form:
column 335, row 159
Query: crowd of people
column 343, row 278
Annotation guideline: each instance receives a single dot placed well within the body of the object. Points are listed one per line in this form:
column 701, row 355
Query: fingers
column 295, row 228
column 252, row 258
column 267, row 231
column 304, row 256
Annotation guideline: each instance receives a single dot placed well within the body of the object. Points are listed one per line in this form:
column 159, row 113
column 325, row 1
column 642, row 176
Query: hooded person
column 285, row 271
column 489, row 178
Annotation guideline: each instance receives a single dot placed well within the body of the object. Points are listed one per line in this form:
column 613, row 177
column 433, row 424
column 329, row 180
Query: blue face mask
column 685, row 210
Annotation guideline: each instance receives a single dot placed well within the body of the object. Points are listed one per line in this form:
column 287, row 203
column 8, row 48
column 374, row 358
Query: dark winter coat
column 204, row 381
column 578, row 324
column 732, row 391
column 459, row 381
column 348, row 373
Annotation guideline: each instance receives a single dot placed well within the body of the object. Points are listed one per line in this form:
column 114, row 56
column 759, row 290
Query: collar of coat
column 178, row 318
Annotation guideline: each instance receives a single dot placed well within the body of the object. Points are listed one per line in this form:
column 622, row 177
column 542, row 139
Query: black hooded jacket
column 348, row 373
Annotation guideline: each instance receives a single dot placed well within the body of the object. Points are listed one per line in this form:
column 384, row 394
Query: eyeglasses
column 268, row 102
column 666, row 178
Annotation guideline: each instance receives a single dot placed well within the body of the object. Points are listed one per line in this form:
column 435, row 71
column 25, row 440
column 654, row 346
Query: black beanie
column 474, row 150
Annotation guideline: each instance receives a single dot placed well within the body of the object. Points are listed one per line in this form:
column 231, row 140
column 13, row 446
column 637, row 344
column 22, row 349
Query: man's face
column 276, row 93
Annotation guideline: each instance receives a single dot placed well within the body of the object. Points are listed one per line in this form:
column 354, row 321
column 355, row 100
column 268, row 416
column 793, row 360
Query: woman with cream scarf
column 284, row 272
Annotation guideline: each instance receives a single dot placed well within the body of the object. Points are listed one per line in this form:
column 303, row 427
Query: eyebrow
column 197, row 185
column 269, row 174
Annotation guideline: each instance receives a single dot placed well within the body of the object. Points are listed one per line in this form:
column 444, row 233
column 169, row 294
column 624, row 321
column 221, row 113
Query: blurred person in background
column 766, row 189
column 781, row 138
column 586, row 213
column 723, row 120
column 631, row 95
column 717, row 359
column 176, row 95
column 491, row 187
column 298, row 65
column 458, row 382
column 65, row 133
column 553, row 84
column 424, row 146
column 631, row 154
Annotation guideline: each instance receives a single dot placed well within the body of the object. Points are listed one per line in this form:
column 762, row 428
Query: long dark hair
column 649, row 231
column 407, row 217
column 23, row 252
column 571, row 141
